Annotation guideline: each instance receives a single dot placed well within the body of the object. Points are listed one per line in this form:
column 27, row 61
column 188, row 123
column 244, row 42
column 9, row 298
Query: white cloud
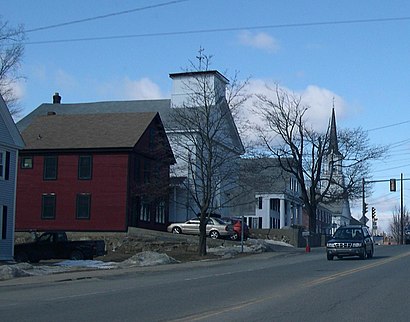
column 130, row 89
column 141, row 89
column 19, row 89
column 319, row 100
column 260, row 40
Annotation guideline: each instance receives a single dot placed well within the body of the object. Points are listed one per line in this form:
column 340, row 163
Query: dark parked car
column 55, row 245
column 350, row 241
column 236, row 225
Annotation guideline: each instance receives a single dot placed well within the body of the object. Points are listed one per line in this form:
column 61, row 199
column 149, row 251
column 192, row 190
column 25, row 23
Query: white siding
column 7, row 189
column 5, row 136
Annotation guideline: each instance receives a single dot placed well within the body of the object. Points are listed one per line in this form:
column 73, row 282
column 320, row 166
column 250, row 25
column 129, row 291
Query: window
column 83, row 206
column 3, row 222
column 85, row 165
column 4, row 165
column 48, row 206
column 274, row 204
column 160, row 214
column 144, row 214
column 50, row 168
column 260, row 199
column 294, row 184
column 26, row 163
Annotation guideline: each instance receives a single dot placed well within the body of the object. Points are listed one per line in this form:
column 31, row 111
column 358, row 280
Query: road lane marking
column 354, row 270
column 242, row 305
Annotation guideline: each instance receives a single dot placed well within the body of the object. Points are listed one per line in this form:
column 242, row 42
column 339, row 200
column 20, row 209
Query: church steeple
column 333, row 143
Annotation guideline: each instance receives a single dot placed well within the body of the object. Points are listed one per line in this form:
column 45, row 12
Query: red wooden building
column 94, row 172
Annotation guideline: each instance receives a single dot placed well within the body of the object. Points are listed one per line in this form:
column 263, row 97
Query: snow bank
column 147, row 258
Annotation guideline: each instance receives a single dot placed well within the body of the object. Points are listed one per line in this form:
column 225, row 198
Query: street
column 263, row 287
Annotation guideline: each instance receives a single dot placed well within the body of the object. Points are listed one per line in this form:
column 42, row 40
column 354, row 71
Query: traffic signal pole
column 401, row 210
column 364, row 204
column 392, row 188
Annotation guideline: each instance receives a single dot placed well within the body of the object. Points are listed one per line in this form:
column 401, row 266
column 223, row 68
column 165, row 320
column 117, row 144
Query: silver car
column 215, row 228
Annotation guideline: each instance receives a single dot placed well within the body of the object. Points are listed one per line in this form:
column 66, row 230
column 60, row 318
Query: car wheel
column 370, row 254
column 21, row 257
column 214, row 234
column 76, row 255
column 235, row 236
column 329, row 257
column 176, row 230
column 363, row 254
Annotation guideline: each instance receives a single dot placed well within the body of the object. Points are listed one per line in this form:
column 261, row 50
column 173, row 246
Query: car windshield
column 348, row 233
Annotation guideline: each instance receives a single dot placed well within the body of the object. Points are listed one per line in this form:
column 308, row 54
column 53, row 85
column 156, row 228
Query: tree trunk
column 311, row 212
column 312, row 223
column 202, row 237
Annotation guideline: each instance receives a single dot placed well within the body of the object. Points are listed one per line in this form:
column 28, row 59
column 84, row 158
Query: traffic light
column 373, row 213
column 392, row 184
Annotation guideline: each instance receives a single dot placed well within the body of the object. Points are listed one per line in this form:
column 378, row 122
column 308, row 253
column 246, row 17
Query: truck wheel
column 21, row 257
column 370, row 254
column 363, row 254
column 76, row 255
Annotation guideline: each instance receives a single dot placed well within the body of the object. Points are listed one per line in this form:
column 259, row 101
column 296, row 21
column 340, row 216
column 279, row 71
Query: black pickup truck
column 55, row 245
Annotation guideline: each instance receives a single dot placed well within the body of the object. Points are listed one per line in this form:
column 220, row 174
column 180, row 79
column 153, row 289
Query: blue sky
column 364, row 65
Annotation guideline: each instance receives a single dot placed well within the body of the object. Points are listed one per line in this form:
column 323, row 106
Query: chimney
column 56, row 98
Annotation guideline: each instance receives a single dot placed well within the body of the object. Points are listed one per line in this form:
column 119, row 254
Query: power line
column 105, row 16
column 393, row 168
column 215, row 30
column 386, row 126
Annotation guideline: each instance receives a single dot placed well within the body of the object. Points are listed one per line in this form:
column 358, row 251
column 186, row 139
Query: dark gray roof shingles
column 162, row 106
column 81, row 131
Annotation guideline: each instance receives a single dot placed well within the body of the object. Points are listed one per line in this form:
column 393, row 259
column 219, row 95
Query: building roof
column 200, row 73
column 265, row 175
column 10, row 134
column 162, row 106
column 81, row 131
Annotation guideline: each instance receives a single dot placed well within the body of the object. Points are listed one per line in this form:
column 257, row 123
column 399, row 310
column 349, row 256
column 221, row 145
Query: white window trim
column 1, row 221
column 3, row 164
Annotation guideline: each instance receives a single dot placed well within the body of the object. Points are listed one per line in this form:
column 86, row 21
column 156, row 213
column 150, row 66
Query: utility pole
column 364, row 204
column 401, row 210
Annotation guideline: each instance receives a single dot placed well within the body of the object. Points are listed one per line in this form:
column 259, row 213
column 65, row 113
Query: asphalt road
column 264, row 287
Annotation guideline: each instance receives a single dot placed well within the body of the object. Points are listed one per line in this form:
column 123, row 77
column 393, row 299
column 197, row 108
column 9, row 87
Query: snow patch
column 147, row 258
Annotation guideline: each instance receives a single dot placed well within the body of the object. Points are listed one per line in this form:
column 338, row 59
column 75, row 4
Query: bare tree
column 207, row 155
column 395, row 223
column 11, row 53
column 307, row 153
